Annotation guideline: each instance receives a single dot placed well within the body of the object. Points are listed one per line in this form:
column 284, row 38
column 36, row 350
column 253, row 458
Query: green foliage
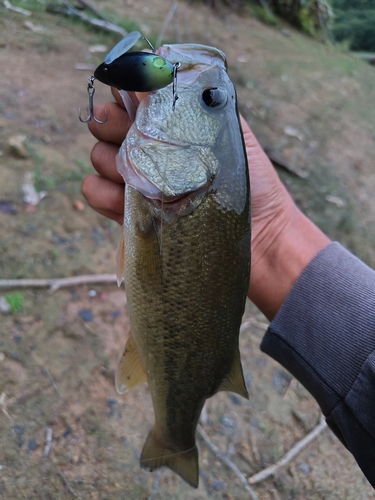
column 33, row 5
column 265, row 15
column 306, row 21
column 15, row 301
column 357, row 25
column 311, row 16
column 42, row 182
column 77, row 175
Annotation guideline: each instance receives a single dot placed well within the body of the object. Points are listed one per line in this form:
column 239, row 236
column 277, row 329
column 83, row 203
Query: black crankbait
column 132, row 72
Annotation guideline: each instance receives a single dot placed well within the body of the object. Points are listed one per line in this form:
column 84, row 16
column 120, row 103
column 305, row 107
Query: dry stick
column 3, row 405
column 47, row 448
column 46, row 372
column 227, row 462
column 56, row 283
column 67, row 484
column 155, row 485
column 167, row 20
column 288, row 457
column 94, row 9
column 9, row 6
column 72, row 11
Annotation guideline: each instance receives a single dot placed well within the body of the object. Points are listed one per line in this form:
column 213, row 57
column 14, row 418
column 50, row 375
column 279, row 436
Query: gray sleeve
column 324, row 334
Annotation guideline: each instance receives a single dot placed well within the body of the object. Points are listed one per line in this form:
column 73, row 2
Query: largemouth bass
column 187, row 251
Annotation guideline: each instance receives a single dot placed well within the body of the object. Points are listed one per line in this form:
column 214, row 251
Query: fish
column 185, row 251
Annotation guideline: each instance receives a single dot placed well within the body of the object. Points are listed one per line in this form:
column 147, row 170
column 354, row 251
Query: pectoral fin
column 130, row 371
column 235, row 381
column 155, row 454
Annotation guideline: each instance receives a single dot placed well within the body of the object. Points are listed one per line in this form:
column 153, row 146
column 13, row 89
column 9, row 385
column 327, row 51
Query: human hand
column 284, row 241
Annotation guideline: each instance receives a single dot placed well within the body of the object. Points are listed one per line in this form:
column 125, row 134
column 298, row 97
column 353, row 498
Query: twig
column 227, row 462
column 67, row 484
column 94, row 9
column 288, row 457
column 155, row 485
column 47, row 448
column 3, row 405
column 56, row 283
column 254, row 444
column 46, row 372
column 167, row 20
column 99, row 23
column 9, row 6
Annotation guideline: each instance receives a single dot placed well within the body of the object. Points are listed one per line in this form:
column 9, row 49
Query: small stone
column 339, row 202
column 30, row 208
column 94, row 49
column 304, row 467
column 4, row 305
column 35, row 28
column 30, row 195
column 17, row 145
column 2, row 356
column 78, row 205
column 7, row 207
column 92, row 293
column 31, row 444
column 86, row 315
column 235, row 399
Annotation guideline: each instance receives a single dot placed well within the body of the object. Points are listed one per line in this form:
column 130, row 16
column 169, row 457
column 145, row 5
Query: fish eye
column 214, row 97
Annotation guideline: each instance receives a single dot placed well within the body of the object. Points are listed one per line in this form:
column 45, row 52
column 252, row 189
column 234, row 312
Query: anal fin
column 130, row 371
column 155, row 454
column 234, row 381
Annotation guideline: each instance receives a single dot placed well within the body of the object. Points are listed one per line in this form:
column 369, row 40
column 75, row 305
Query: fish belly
column 186, row 284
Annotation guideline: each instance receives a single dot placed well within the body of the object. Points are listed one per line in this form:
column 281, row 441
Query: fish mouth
column 180, row 203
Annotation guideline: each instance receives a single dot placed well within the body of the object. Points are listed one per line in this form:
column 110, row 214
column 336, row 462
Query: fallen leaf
column 293, row 132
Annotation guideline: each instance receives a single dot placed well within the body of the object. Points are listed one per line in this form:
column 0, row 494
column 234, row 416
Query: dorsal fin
column 130, row 371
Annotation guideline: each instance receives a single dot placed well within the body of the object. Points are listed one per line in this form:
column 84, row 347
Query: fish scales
column 186, row 261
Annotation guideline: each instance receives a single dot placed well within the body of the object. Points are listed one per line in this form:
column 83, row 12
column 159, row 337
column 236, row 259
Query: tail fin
column 185, row 463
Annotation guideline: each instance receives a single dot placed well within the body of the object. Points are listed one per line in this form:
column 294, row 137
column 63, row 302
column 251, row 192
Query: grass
column 15, row 301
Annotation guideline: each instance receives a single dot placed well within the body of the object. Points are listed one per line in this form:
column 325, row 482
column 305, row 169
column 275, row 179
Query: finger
column 104, row 196
column 119, row 218
column 103, row 158
column 115, row 128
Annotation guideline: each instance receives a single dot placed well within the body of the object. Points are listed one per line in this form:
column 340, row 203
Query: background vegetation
column 355, row 22
column 351, row 21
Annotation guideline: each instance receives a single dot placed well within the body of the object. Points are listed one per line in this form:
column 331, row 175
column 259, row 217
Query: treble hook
column 90, row 109
column 175, row 68
column 150, row 44
column 174, row 84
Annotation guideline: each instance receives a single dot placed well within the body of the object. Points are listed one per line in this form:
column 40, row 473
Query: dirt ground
column 64, row 431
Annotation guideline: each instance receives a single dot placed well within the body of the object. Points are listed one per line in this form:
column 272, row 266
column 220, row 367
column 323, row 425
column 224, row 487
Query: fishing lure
column 132, row 71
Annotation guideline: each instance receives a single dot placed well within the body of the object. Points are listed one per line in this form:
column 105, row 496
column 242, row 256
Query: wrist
column 286, row 244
